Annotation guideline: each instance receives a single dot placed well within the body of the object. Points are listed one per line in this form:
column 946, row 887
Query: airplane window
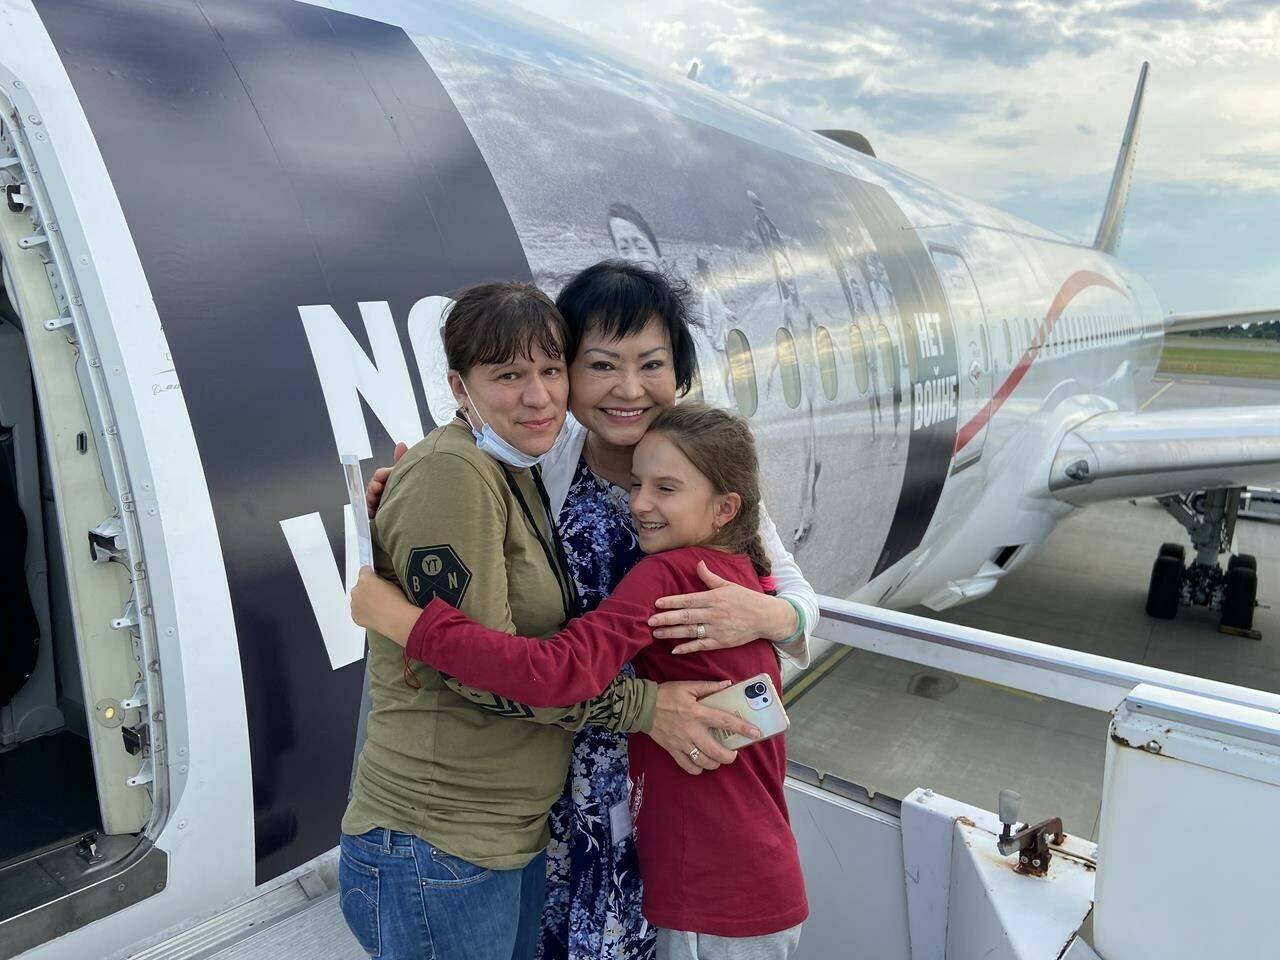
column 886, row 359
column 986, row 348
column 858, row 349
column 1008, row 344
column 785, row 344
column 827, row 363
column 1031, row 334
column 742, row 373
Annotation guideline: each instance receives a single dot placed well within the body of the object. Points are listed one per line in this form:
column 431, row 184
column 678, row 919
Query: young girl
column 716, row 851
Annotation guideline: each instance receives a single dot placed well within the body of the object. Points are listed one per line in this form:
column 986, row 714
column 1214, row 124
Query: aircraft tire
column 1239, row 598
column 1246, row 560
column 1175, row 550
column 1165, row 588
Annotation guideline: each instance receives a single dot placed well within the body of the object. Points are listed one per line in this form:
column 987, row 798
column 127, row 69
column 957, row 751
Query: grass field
column 1219, row 361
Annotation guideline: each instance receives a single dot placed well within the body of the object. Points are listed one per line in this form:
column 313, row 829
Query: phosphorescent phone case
column 745, row 700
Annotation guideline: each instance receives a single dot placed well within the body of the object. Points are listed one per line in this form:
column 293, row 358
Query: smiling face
column 619, row 386
column 631, row 242
column 524, row 400
column 672, row 503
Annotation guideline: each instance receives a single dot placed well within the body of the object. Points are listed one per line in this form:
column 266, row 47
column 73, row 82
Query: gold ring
column 694, row 754
column 702, row 630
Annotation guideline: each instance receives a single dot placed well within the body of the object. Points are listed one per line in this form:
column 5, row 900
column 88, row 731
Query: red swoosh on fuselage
column 1074, row 284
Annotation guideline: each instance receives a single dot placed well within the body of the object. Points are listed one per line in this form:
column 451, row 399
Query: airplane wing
column 1120, row 455
column 1188, row 322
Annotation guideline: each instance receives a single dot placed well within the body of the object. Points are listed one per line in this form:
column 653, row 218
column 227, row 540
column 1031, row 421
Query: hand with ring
column 724, row 615
column 686, row 729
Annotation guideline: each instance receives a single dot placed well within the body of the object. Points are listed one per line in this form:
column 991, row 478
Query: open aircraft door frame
column 974, row 352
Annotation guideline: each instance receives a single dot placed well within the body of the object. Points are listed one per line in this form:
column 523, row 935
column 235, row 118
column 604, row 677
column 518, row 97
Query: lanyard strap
column 568, row 594
column 576, row 601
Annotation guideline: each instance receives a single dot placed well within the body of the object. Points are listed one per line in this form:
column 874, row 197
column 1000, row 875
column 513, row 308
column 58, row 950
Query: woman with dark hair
column 630, row 355
column 632, row 237
column 442, row 842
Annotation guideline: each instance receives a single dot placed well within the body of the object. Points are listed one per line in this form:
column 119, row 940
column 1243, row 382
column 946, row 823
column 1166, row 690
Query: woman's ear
column 459, row 395
column 727, row 506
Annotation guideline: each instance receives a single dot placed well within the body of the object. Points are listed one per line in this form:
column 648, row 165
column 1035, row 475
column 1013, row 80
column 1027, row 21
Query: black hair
column 624, row 211
column 618, row 298
column 494, row 322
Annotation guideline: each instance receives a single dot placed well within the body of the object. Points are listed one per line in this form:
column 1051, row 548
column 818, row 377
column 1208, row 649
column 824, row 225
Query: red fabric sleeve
column 574, row 665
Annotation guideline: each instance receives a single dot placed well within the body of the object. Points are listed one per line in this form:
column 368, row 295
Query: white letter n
column 347, row 374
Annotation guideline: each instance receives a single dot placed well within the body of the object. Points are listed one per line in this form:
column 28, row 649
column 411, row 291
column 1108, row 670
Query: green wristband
column 799, row 622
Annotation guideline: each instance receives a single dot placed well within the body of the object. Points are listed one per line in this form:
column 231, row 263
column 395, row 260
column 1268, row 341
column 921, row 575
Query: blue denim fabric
column 405, row 899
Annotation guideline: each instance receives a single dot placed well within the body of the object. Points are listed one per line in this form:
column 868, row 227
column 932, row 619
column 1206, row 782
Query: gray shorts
column 682, row 945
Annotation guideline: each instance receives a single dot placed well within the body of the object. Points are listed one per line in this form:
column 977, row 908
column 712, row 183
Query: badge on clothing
column 436, row 572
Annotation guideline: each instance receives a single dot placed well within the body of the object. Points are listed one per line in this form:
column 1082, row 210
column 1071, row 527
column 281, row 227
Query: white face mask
column 487, row 439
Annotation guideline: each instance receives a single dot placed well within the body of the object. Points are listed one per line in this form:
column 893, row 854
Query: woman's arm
column 791, row 585
column 732, row 615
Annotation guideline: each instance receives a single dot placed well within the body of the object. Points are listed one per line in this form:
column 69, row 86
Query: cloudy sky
column 1022, row 103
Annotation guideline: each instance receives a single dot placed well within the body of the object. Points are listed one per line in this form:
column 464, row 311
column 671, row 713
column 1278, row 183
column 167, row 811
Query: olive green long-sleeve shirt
column 467, row 771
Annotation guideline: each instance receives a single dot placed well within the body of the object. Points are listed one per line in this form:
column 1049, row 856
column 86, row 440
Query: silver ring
column 702, row 631
column 694, row 754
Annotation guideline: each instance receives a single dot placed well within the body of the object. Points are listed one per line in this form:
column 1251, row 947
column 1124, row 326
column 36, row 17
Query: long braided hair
column 721, row 446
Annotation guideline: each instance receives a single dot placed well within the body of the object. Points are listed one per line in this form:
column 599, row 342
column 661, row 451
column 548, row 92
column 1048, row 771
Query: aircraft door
column 975, row 359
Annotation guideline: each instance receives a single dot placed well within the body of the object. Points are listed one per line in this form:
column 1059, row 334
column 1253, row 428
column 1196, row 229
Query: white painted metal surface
column 1189, row 851
column 852, row 857
column 966, row 901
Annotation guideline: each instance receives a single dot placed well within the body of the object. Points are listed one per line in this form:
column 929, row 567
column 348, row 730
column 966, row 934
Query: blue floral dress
column 593, row 883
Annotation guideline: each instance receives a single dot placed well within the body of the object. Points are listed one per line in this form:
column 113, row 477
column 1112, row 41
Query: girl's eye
column 508, row 376
column 667, row 489
column 553, row 371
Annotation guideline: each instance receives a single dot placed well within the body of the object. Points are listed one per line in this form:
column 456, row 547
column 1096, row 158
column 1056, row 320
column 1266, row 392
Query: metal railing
column 1084, row 679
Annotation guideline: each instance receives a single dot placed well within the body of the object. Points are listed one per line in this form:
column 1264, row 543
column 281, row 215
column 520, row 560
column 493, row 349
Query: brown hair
column 721, row 446
column 496, row 321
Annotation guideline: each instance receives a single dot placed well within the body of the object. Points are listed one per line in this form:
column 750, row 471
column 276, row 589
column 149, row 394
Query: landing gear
column 1240, row 595
column 1210, row 519
column 1166, row 587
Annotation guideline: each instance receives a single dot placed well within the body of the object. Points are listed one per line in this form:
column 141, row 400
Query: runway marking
column 792, row 693
column 1001, row 687
column 1203, row 383
column 1152, row 398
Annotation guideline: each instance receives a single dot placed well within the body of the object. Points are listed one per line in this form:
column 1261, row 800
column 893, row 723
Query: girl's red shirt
column 716, row 850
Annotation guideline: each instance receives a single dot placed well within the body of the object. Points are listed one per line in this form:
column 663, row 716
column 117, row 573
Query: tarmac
column 892, row 726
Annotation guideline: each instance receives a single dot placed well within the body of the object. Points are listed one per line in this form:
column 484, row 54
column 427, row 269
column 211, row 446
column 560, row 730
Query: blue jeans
column 405, row 899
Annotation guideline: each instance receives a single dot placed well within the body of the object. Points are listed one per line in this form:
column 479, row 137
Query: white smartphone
column 754, row 700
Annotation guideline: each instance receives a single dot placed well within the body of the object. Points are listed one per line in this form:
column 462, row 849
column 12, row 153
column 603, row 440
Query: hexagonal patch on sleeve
column 436, row 572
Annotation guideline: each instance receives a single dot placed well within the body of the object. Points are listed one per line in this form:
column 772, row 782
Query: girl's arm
column 576, row 664
column 467, row 529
